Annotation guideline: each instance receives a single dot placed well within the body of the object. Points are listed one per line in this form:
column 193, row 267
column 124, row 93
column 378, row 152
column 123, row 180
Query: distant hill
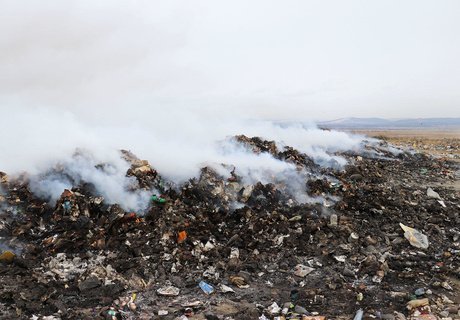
column 379, row 123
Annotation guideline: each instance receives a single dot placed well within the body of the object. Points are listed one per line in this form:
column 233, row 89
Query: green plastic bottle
column 158, row 199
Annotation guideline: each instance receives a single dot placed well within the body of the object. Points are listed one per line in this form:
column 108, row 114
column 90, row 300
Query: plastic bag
column 415, row 237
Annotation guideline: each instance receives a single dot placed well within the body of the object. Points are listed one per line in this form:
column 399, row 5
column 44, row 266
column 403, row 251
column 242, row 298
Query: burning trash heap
column 376, row 237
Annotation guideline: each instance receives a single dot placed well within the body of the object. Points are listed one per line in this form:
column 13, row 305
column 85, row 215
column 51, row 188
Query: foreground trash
column 433, row 194
column 207, row 288
column 415, row 237
column 359, row 315
column 7, row 256
column 158, row 199
column 168, row 291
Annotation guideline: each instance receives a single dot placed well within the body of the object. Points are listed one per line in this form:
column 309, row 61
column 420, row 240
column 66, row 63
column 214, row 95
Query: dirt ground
column 436, row 142
column 440, row 143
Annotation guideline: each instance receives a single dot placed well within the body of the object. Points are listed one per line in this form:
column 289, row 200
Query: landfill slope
column 217, row 248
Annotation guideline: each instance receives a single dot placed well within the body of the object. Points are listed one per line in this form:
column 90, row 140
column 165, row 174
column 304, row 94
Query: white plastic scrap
column 359, row 315
column 225, row 288
column 211, row 273
column 301, row 270
column 415, row 237
column 208, row 246
column 340, row 258
column 274, row 308
column 168, row 291
column 279, row 239
column 234, row 253
column 433, row 194
column 68, row 268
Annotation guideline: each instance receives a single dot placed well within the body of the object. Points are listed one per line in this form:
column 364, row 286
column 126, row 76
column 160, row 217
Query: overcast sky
column 261, row 59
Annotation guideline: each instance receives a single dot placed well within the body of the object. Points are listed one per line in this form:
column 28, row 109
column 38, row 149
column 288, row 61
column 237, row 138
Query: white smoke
column 106, row 76
column 109, row 179
column 177, row 147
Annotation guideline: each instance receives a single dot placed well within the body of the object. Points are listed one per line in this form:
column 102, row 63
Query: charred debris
column 377, row 239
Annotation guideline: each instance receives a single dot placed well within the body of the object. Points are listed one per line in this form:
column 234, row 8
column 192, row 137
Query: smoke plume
column 98, row 78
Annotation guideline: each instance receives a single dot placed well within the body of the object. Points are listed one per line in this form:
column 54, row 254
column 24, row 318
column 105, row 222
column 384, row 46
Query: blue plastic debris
column 67, row 206
column 207, row 288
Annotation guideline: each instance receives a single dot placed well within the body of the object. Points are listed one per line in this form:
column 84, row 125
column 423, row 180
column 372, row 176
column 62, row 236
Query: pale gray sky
column 262, row 59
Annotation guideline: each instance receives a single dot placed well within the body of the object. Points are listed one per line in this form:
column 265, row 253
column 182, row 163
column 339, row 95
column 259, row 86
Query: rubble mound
column 289, row 154
column 379, row 235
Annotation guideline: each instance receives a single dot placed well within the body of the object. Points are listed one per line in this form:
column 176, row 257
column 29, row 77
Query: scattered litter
column 301, row 270
column 182, row 235
column 359, row 315
column 240, row 282
column 168, row 291
column 433, row 194
column 415, row 237
column 207, row 288
column 274, row 309
column 226, row 289
column 7, row 256
column 158, row 199
column 417, row 303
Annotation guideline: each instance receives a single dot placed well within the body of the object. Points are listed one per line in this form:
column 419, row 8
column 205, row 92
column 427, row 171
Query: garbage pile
column 380, row 239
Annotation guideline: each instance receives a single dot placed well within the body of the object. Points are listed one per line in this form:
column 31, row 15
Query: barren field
column 440, row 143
column 444, row 143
